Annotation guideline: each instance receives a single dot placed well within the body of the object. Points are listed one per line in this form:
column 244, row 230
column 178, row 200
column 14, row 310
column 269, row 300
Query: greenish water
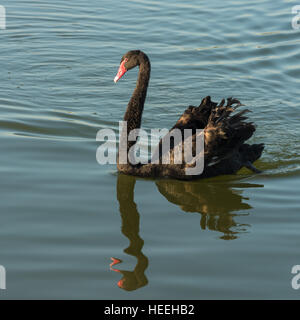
column 63, row 216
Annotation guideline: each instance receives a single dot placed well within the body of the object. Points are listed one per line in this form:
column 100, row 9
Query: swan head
column 130, row 60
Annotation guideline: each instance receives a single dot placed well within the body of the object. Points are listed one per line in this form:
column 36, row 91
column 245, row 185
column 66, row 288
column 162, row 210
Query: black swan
column 225, row 132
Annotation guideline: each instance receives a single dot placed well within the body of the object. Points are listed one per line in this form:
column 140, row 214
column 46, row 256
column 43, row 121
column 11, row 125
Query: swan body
column 225, row 131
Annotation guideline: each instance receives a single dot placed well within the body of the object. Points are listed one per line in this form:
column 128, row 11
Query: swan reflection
column 135, row 279
column 216, row 202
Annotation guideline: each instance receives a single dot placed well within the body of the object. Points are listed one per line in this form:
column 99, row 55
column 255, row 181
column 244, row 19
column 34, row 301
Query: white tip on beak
column 116, row 79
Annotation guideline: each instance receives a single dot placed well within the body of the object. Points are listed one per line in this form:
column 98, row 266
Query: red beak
column 122, row 70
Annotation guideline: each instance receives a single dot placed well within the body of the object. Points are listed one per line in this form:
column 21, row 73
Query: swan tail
column 251, row 153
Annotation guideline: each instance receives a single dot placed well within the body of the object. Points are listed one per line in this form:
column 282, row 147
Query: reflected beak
column 122, row 70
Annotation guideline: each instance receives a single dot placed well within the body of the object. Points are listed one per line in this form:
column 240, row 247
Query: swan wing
column 224, row 130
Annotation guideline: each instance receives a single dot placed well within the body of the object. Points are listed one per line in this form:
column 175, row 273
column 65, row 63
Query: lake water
column 63, row 216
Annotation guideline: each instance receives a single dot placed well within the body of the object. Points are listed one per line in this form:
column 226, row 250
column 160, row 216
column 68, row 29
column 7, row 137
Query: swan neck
column 134, row 111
